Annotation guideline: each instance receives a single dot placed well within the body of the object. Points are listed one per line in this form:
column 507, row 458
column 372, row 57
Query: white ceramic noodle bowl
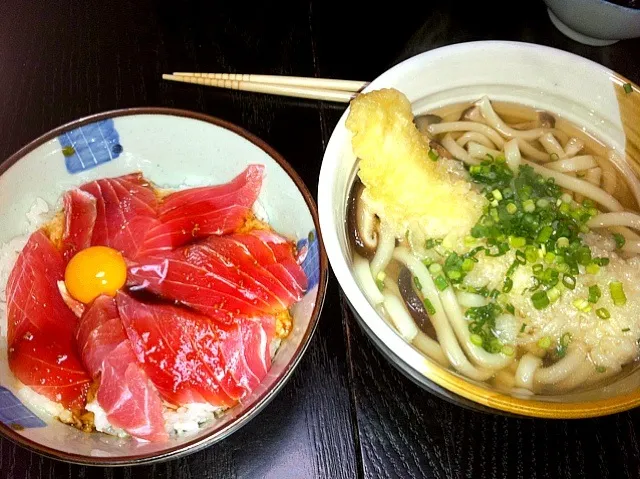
column 579, row 90
column 172, row 148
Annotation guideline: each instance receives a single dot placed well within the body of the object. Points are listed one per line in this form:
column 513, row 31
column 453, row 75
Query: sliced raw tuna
column 243, row 190
column 284, row 256
column 42, row 352
column 192, row 358
column 79, row 218
column 220, row 274
column 125, row 212
column 130, row 401
column 33, row 299
column 193, row 213
column 50, row 369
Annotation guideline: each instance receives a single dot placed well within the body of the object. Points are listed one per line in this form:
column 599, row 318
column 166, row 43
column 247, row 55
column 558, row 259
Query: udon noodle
column 497, row 239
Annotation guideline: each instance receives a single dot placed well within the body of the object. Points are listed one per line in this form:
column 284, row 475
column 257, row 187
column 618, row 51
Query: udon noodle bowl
column 497, row 239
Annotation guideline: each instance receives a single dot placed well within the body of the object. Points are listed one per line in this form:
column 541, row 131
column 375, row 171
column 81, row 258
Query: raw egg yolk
column 94, row 271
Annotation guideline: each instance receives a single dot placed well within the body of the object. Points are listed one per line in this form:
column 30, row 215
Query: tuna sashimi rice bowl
column 151, row 311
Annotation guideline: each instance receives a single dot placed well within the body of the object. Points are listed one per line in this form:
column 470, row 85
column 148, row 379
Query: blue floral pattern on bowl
column 14, row 414
column 90, row 145
column 309, row 258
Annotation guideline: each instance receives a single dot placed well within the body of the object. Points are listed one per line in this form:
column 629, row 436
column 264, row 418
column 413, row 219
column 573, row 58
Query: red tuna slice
column 186, row 229
column 99, row 332
column 218, row 273
column 50, row 369
column 125, row 209
column 130, row 401
column 79, row 218
column 33, row 300
column 42, row 353
column 284, row 255
column 261, row 245
column 189, row 356
column 193, row 213
column 243, row 190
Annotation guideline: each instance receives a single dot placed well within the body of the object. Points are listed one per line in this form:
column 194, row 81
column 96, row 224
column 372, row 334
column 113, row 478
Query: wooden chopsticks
column 299, row 87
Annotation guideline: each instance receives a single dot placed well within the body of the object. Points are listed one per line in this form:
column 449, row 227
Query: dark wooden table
column 346, row 412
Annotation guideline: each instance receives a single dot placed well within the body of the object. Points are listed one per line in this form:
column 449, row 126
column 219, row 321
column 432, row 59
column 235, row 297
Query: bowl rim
column 215, row 435
column 431, row 371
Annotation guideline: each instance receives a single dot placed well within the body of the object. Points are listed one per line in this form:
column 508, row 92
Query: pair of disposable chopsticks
column 299, row 87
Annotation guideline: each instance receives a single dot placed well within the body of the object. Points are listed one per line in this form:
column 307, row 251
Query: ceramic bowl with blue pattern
column 172, row 148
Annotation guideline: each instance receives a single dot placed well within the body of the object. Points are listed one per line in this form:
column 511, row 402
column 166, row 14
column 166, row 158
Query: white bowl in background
column 594, row 22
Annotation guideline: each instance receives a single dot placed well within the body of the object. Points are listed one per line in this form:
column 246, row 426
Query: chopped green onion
column 435, row 268
column 531, row 254
column 508, row 350
column 427, row 262
column 620, row 240
column 468, row 264
column 545, row 234
column 497, row 194
column 562, row 242
column 430, row 243
column 508, row 285
column 561, row 350
column 470, row 240
column 441, row 283
column 566, row 198
column 542, row 203
column 581, row 305
column 593, row 268
column 626, row 330
column 416, row 281
column 523, row 327
column 537, row 268
column 554, row 157
column 476, row 339
column 603, row 313
column 433, row 155
column 594, row 294
column 511, row 208
column 601, row 261
column 564, row 208
column 627, row 88
column 544, row 342
column 549, row 257
column 429, row 306
column 540, row 299
column 510, row 308
column 569, row 281
column 380, row 284
column 553, row 294
column 529, row 206
column 617, row 293
column 517, row 241
column 601, row 369
column 494, row 293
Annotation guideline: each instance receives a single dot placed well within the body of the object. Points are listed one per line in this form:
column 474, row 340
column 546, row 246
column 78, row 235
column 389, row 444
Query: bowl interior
column 173, row 149
column 576, row 89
